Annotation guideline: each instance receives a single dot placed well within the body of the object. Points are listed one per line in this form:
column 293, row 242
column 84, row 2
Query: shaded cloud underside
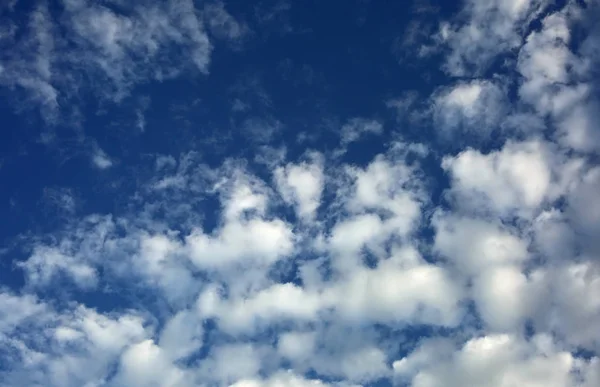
column 303, row 267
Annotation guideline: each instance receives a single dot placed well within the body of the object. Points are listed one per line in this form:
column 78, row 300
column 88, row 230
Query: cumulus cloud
column 470, row 108
column 494, row 360
column 556, row 80
column 516, row 179
column 484, row 31
column 414, row 264
column 302, row 185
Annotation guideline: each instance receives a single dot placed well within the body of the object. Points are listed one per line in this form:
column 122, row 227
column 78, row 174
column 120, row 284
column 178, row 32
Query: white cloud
column 222, row 24
column 543, row 61
column 398, row 290
column 516, row 179
column 364, row 365
column 474, row 107
column 568, row 302
column 384, row 200
column 281, row 379
column 16, row 309
column 232, row 362
column 165, row 161
column 553, row 235
column 484, row 31
column 302, row 185
column 46, row 263
column 81, row 346
column 87, row 40
column 182, row 335
column 501, row 295
column 386, row 185
column 355, row 128
column 297, row 346
column 277, row 303
column 101, row 160
column 201, row 277
column 556, row 80
column 584, row 209
column 473, row 245
column 145, row 364
column 579, row 128
column 256, row 240
column 493, row 360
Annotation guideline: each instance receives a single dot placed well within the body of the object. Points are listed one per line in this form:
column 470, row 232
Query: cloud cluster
column 74, row 47
column 310, row 269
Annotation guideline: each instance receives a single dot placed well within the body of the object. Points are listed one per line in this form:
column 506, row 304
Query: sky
column 300, row 193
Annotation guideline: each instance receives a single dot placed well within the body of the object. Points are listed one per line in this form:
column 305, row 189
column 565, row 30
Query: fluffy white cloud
column 473, row 107
column 182, row 335
column 233, row 362
column 485, row 31
column 502, row 297
column 259, row 241
column 282, row 379
column 493, row 360
column 403, row 288
column 302, row 184
column 584, row 210
column 556, row 80
column 568, row 302
column 46, row 263
column 277, row 303
column 514, row 180
column 145, row 364
column 15, row 309
column 473, row 245
column 297, row 346
column 80, row 347
column 204, row 277
column 543, row 62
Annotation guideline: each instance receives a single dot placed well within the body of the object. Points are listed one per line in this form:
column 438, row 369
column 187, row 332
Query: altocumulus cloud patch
column 299, row 193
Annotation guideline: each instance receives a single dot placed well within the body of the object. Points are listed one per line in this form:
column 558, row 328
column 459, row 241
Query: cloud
column 46, row 263
column 56, row 54
column 280, row 379
column 485, row 31
column 469, row 108
column 223, row 25
column 493, row 360
column 556, row 81
column 421, row 263
column 101, row 160
column 302, row 185
column 474, row 245
column 355, row 128
column 81, row 345
column 398, row 290
column 584, row 211
column 144, row 364
column 516, row 179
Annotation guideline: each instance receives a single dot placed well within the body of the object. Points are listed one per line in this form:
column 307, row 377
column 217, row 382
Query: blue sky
column 299, row 193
